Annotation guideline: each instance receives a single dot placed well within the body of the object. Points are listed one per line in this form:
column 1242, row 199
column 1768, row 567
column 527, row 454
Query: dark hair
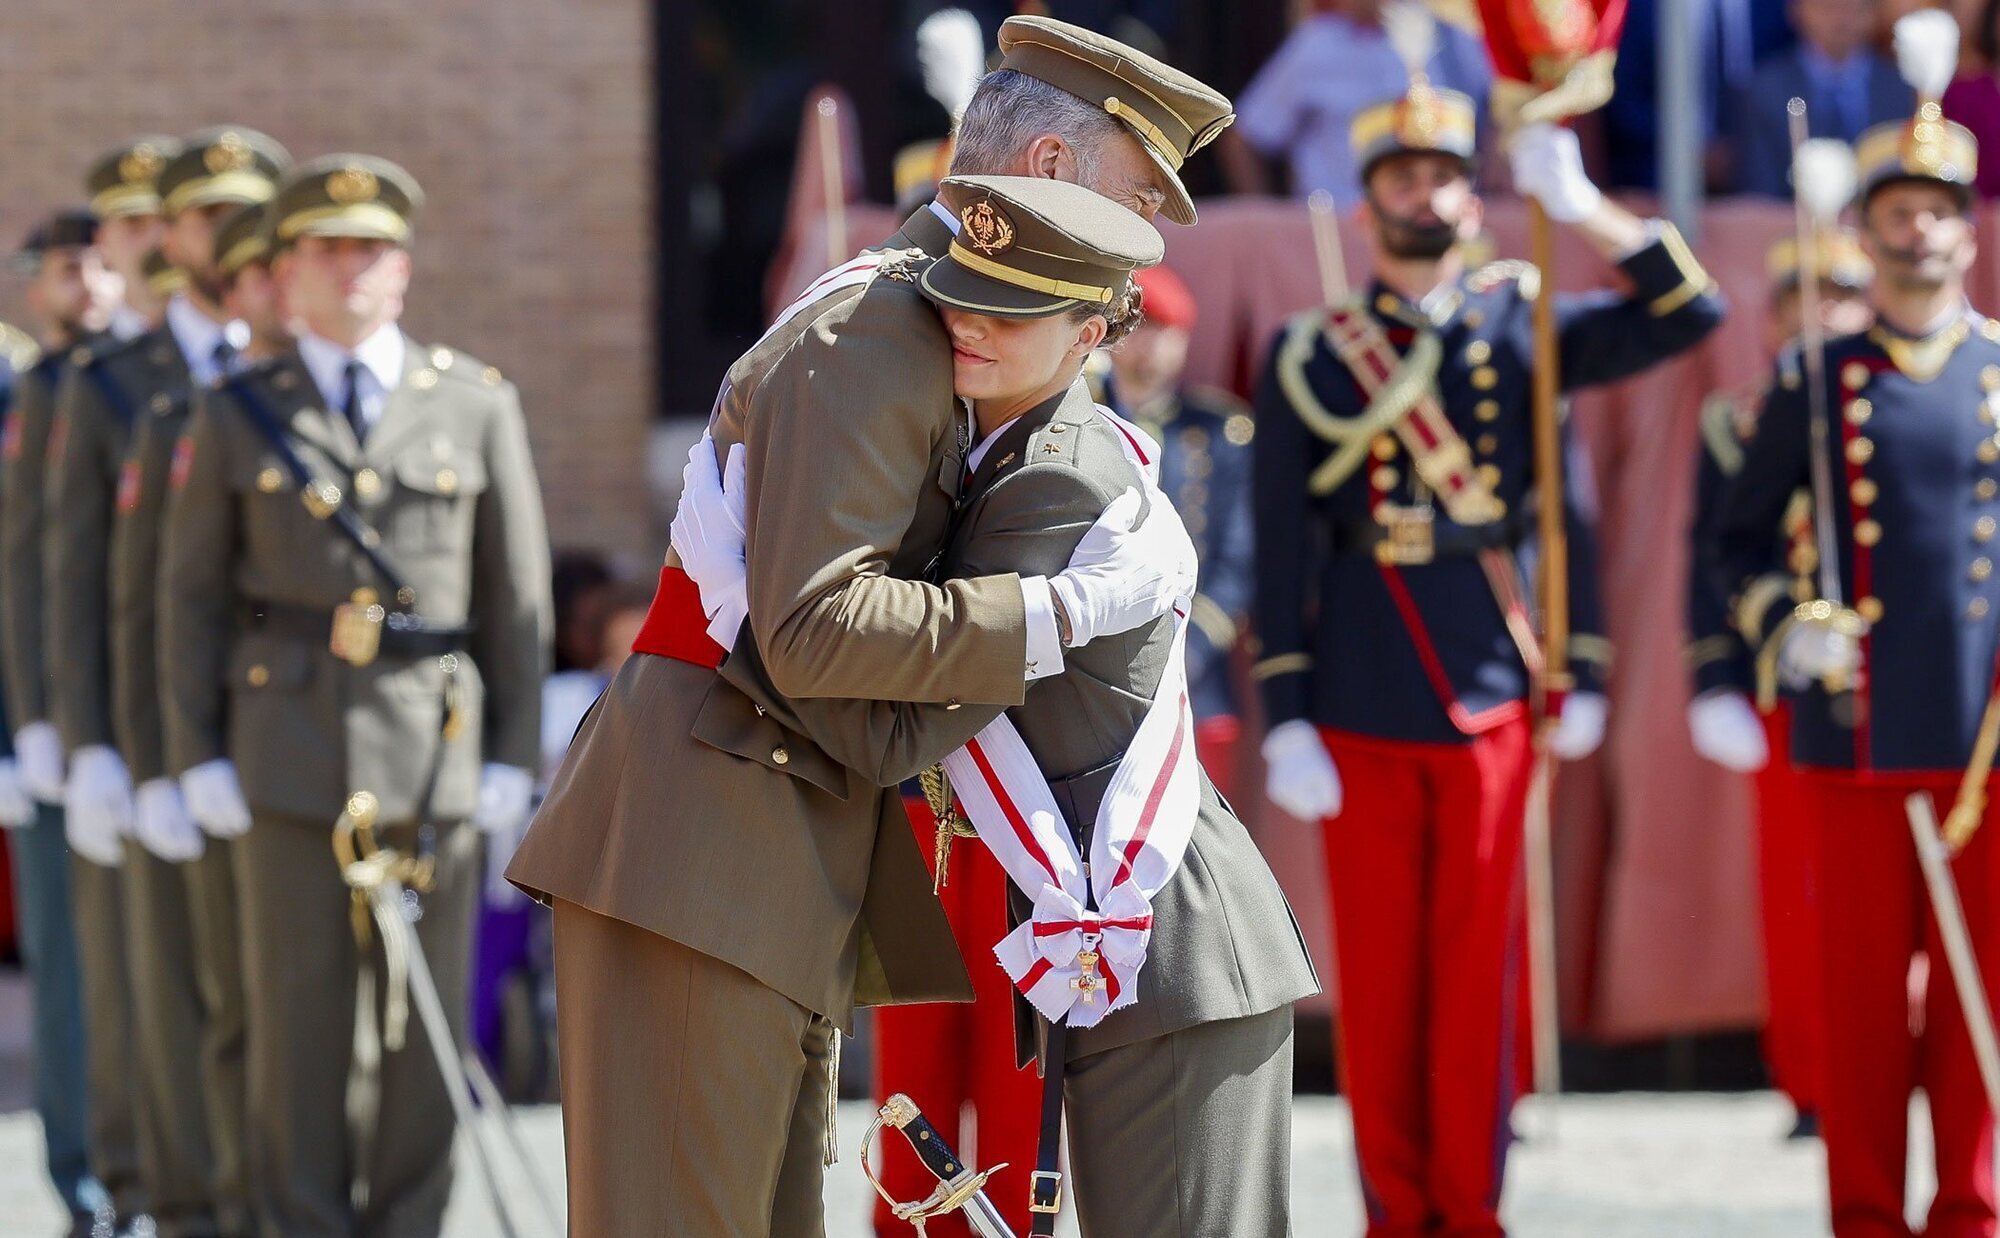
column 1122, row 316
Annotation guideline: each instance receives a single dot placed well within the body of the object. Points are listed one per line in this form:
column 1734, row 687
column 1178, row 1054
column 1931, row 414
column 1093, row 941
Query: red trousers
column 1785, row 837
column 1424, row 862
column 1873, row 915
column 950, row 1057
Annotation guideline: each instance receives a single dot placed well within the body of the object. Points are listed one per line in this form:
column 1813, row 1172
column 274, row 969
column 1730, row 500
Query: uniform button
column 1385, row 447
column 1487, row 410
column 1486, row 378
column 1863, row 491
column 367, row 483
column 1982, row 529
column 1976, row 608
column 1386, row 304
column 1867, row 532
column 1981, row 569
column 1989, row 451
column 952, row 703
column 1474, row 319
column 780, row 757
column 268, row 481
column 1384, row 478
column 1489, row 443
column 258, row 675
column 1860, row 450
column 1869, row 608
column 1854, row 375
column 447, row 481
column 1986, row 488
column 441, row 358
column 1985, row 414
column 1479, row 352
column 424, row 380
column 1859, row 411
column 1989, row 378
column 1490, row 474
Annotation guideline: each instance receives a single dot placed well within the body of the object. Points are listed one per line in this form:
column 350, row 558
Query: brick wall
column 528, row 123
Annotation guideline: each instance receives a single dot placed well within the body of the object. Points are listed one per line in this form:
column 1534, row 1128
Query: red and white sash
column 1137, row 842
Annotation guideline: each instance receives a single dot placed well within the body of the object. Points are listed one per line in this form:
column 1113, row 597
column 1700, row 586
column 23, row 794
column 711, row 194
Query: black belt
column 403, row 635
column 1448, row 540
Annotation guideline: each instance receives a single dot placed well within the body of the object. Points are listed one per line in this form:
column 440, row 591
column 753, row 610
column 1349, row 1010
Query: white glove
column 1299, row 775
column 162, row 824
column 1548, row 167
column 505, row 793
column 1580, row 728
column 39, row 749
column 708, row 534
column 1815, row 651
column 1123, row 577
column 98, row 804
column 215, row 798
column 1726, row 731
column 17, row 807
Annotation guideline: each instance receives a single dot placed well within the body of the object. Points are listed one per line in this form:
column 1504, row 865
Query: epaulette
column 902, row 265
column 1506, row 270
column 1238, row 426
column 19, row 348
column 464, row 367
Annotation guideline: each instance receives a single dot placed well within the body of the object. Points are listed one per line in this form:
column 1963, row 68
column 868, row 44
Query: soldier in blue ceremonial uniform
column 1393, row 490
column 1892, row 676
column 1204, row 436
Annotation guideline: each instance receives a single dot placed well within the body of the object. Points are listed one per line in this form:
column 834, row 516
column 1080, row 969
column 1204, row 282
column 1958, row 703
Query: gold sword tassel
column 951, row 823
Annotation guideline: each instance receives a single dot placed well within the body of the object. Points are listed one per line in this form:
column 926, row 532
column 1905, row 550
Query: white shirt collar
column 127, row 323
column 937, row 209
column 381, row 354
column 198, row 334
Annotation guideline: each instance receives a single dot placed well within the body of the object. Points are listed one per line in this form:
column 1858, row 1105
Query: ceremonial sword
column 960, row 1188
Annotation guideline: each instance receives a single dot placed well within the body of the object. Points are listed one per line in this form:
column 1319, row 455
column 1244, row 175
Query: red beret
column 1167, row 303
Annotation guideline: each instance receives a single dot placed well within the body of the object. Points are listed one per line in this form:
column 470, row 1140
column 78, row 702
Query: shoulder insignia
column 902, row 265
column 442, row 358
column 18, row 347
column 1504, row 271
column 458, row 364
column 130, row 475
column 183, row 461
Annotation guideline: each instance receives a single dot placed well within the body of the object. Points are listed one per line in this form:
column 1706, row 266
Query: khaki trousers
column 111, row 1068
column 301, row 968
column 694, row 1096
column 214, row 915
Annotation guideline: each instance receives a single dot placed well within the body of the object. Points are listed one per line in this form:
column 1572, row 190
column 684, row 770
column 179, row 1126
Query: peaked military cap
column 1028, row 248
column 1838, row 260
column 1172, row 114
column 225, row 164
column 243, row 237
column 163, row 278
column 125, row 179
column 346, row 195
column 69, row 228
column 1926, row 147
column 1425, row 120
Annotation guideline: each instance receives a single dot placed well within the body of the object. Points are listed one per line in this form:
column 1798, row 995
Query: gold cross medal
column 1087, row 983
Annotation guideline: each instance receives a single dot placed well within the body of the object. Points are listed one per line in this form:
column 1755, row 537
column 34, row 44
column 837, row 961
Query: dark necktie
column 353, row 406
column 225, row 358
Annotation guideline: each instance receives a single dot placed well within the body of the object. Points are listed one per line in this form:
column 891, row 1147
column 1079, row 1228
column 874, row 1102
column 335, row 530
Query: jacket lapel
column 306, row 416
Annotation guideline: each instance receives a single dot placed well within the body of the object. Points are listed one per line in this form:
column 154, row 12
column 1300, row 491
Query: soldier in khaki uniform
column 102, row 560
column 726, row 893
column 366, row 648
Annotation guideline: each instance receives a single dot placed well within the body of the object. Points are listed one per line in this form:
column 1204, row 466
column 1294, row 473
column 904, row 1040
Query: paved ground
column 1616, row 1167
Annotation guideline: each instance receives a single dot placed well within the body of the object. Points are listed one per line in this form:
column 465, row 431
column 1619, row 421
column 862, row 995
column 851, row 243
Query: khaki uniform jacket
column 103, row 397
column 136, row 718
column 23, row 470
column 1224, row 944
column 446, row 480
column 686, row 809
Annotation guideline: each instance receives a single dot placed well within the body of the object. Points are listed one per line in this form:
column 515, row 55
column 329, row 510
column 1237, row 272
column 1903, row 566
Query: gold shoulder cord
column 1351, row 436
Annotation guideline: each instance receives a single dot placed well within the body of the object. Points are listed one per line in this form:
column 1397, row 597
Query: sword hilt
column 958, row 1183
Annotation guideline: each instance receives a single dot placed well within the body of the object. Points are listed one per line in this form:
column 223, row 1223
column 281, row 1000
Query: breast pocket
column 437, row 489
column 278, row 526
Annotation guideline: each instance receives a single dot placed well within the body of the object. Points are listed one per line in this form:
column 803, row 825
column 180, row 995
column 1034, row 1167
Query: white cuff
column 1654, row 230
column 1045, row 650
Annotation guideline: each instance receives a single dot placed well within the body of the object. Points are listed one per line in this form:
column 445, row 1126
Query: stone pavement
column 1630, row 1166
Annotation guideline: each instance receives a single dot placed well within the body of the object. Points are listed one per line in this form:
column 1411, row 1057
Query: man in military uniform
column 72, row 295
column 123, row 193
column 1725, row 725
column 106, row 698
column 651, row 928
column 1393, row 487
column 1204, row 436
column 371, row 655
column 1890, row 679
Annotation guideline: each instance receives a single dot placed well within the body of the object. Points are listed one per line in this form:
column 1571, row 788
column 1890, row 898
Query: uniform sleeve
column 21, row 497
column 83, row 468
column 1225, row 590
column 844, row 430
column 1717, row 658
column 1746, row 566
column 1285, row 571
column 135, row 578
column 1027, row 524
column 1673, row 306
column 1590, row 651
column 511, row 604
column 199, row 541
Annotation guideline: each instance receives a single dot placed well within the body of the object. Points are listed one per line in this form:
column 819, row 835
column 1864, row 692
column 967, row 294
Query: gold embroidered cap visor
column 1838, row 260
column 226, row 164
column 346, row 195
column 1926, row 147
column 1171, row 114
column 1028, row 248
column 125, row 179
column 1424, row 121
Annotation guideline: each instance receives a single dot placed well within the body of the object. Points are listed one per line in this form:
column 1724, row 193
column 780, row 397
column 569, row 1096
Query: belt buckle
column 1409, row 535
column 1049, row 1202
column 356, row 637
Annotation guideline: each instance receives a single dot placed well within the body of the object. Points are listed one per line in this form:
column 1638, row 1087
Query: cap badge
column 140, row 164
column 230, row 153
column 352, row 184
column 989, row 231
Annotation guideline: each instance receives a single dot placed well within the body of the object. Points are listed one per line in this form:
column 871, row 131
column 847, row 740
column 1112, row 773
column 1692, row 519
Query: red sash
column 675, row 626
